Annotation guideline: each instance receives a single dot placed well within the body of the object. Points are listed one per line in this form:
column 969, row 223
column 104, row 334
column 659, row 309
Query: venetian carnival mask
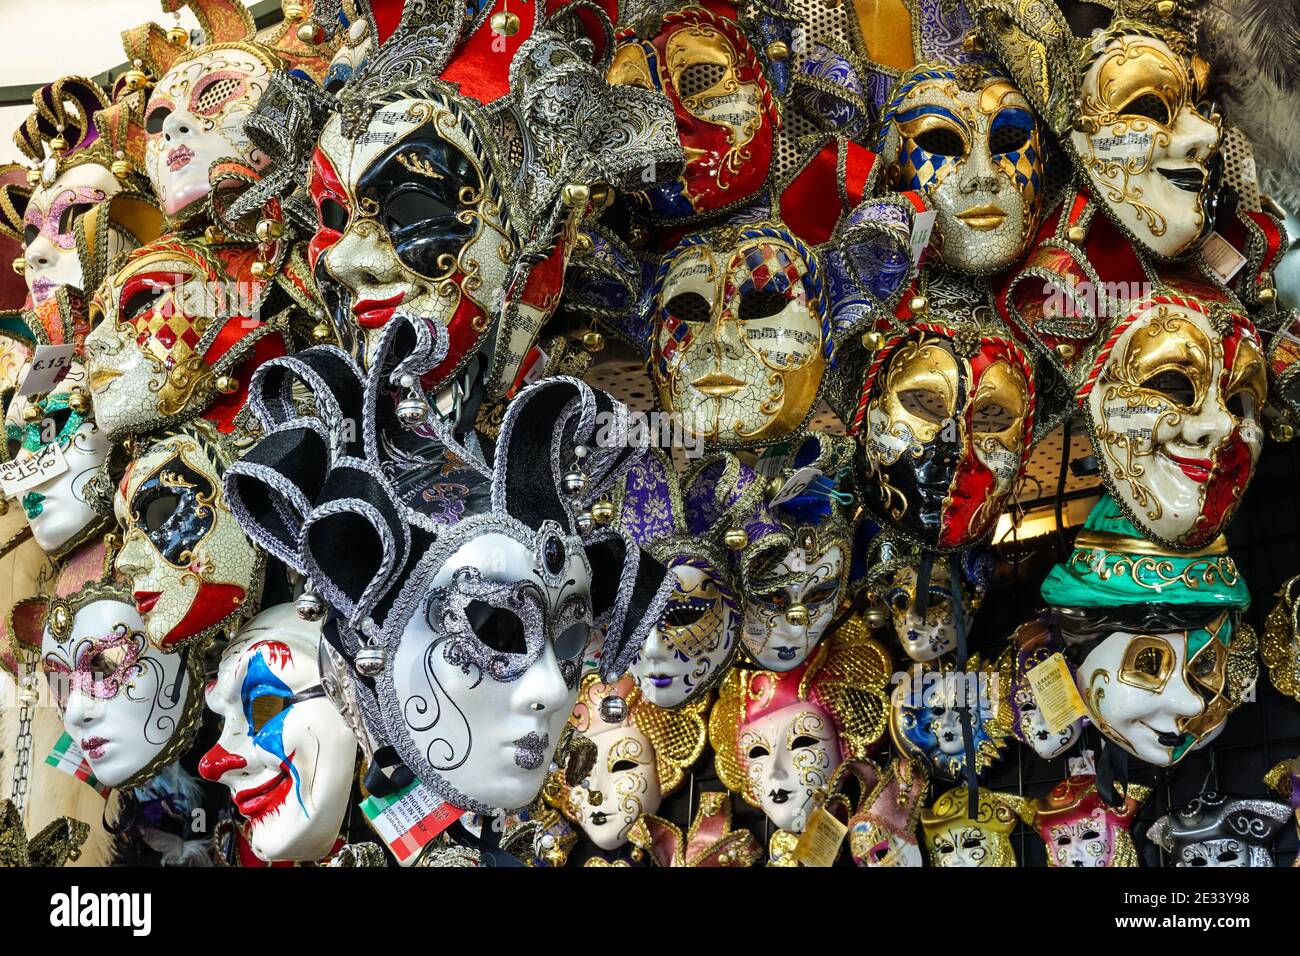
column 1221, row 830
column 642, row 754
column 1171, row 658
column 195, row 116
column 968, row 141
column 1031, row 645
column 1174, row 404
column 190, row 567
column 785, row 621
column 50, row 240
column 129, row 707
column 946, row 417
column 955, row 839
column 71, row 503
column 726, row 115
column 1080, row 829
column 284, row 752
column 741, row 336
column 920, row 599
column 780, row 737
column 884, row 832
column 925, row 718
column 1147, row 139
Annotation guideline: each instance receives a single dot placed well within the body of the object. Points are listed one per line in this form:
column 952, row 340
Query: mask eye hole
column 141, row 301
column 821, row 595
column 499, row 629
column 899, row 601
column 215, row 94
column 1242, row 404
column 333, row 215
column 941, row 141
column 1148, row 106
column 159, row 511
column 689, row 307
column 1206, row 662
column 264, row 709
column 71, row 214
column 623, row 765
column 154, row 123
column 30, row 235
column 1010, row 133
column 1091, row 835
column 699, row 78
column 572, row 641
column 414, row 207
column 1174, row 385
column 926, row 404
column 1149, row 661
column 971, row 843
column 1063, row 840
column 59, row 417
column 683, row 615
column 992, row 416
column 1227, row 856
column 803, row 741
column 108, row 660
column 760, row 304
column 758, row 750
column 777, row 598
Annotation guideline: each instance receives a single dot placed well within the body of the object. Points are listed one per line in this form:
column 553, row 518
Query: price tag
column 17, row 477
column 1221, row 256
column 796, row 485
column 820, row 843
column 67, row 757
column 407, row 821
column 49, row 364
column 922, row 226
column 1053, row 688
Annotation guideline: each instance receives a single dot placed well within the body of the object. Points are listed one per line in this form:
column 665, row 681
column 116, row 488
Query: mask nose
column 1198, row 136
column 542, row 689
column 178, row 127
column 218, row 762
column 131, row 560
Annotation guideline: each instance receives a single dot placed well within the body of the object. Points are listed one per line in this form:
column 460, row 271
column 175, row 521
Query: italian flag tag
column 408, row 820
column 67, row 757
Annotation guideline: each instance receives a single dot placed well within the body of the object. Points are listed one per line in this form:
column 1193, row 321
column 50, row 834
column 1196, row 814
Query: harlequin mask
column 884, row 833
column 1031, row 645
column 920, row 599
column 129, row 707
column 726, row 116
column 1146, row 137
column 1080, row 829
column 284, row 752
column 1172, row 659
column 946, row 418
column 177, row 321
column 925, row 718
column 968, row 141
column 1174, row 402
column 67, row 507
column 50, row 241
column 190, row 567
column 641, row 756
column 779, row 737
column 741, row 335
column 952, row 838
column 1221, row 830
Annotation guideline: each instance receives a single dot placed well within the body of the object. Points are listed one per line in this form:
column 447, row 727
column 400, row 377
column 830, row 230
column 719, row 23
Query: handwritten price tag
column 17, row 477
column 922, row 226
column 49, row 364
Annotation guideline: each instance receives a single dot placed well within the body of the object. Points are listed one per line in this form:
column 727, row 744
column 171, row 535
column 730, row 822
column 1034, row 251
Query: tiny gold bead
column 505, row 23
column 227, row 384
column 1077, row 234
column 778, row 51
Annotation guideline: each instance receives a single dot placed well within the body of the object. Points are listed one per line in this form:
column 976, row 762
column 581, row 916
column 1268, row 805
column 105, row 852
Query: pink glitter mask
column 56, row 223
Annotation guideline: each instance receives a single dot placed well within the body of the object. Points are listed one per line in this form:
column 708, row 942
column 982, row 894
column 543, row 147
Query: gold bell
column 1077, row 234
column 268, row 230
column 777, row 51
column 79, row 401
column 876, row 616
column 260, row 269
column 31, row 413
column 603, row 512
column 1283, row 433
column 33, row 177
column 602, row 195
column 797, row 615
column 583, row 245
column 294, row 12
column 972, row 42
column 310, row 34
column 919, row 305
column 178, row 36
column 58, row 144
column 20, row 265
column 120, row 167
column 504, row 23
column 1065, row 350
column 737, row 539
column 136, row 78
column 227, row 384
column 576, row 194
column 593, row 341
column 213, row 235
column 1166, row 9
column 873, row 341
column 1268, row 295
column 322, row 333
column 773, row 487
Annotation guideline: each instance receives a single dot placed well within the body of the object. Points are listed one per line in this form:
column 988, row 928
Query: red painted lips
column 145, row 600
column 376, row 313
column 256, row 802
column 1197, row 469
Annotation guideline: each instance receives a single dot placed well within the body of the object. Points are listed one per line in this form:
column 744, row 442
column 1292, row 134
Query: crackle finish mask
column 783, row 622
column 129, row 707
column 190, row 567
column 968, row 141
column 64, row 509
column 49, row 238
column 726, row 117
column 195, row 116
column 946, row 419
column 741, row 336
column 1147, row 138
column 285, row 753
column 1174, row 403
column 410, row 215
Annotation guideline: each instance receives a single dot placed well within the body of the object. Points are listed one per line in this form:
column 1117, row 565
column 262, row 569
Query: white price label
column 796, row 485
column 17, row 477
column 1221, row 256
column 922, row 227
column 49, row 364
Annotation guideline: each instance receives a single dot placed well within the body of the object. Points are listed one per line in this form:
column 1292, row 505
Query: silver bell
column 370, row 661
column 613, row 710
column 575, row 483
column 309, row 606
column 585, row 523
column 412, row 411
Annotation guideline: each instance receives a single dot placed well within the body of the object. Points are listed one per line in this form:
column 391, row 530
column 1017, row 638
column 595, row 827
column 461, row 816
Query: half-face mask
column 954, row 838
column 778, row 738
column 968, row 141
column 741, row 335
column 885, row 832
column 286, row 754
column 925, row 718
column 190, row 568
column 917, row 590
column 1219, row 829
column 946, row 419
column 709, row 527
column 793, row 599
column 1032, row 644
column 130, row 708
column 1080, row 829
column 462, row 630
column 727, row 119
column 1173, row 402
column 1171, row 659
column 68, row 507
column 642, row 755
column 178, row 330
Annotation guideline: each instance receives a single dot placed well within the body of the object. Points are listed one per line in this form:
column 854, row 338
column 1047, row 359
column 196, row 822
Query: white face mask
column 772, row 640
column 962, row 845
column 195, row 117
column 927, row 636
column 1149, row 152
column 1034, row 730
column 485, row 710
column 694, row 640
column 627, row 780
column 284, row 752
column 123, row 702
column 1083, row 842
column 788, row 755
column 58, row 510
column 50, row 243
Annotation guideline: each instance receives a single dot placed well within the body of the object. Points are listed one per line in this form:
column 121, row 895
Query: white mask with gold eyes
column 789, row 754
column 624, row 784
column 783, row 624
